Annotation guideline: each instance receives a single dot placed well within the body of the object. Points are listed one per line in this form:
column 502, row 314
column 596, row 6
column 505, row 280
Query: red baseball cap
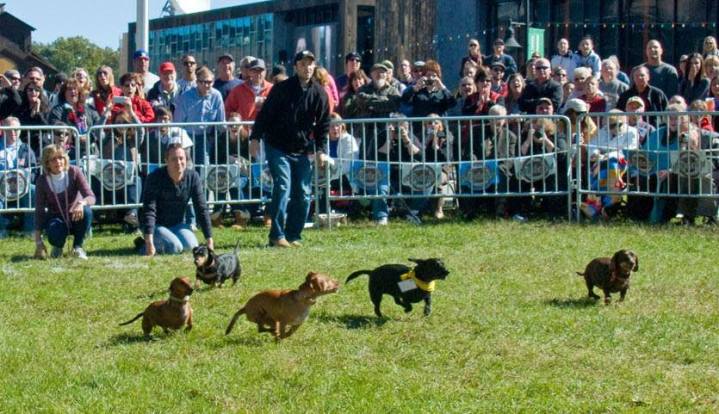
column 167, row 67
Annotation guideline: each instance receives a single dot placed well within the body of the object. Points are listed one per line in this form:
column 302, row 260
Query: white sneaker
column 79, row 253
column 381, row 221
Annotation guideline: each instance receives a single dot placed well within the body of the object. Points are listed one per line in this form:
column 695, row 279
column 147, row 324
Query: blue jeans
column 173, row 240
column 57, row 230
column 291, row 193
column 28, row 219
column 380, row 209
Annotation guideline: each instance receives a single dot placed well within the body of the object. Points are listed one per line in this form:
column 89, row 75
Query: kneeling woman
column 62, row 203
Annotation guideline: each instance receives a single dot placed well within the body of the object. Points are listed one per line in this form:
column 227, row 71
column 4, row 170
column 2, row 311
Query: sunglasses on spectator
column 466, row 85
column 541, row 67
column 204, row 82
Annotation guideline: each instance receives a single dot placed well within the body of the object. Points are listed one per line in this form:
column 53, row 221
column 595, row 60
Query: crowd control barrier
column 643, row 161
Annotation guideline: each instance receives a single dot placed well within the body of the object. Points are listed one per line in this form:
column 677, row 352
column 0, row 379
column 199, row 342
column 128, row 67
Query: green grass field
column 511, row 330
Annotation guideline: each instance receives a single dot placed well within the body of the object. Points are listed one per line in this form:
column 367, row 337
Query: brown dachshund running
column 281, row 312
column 611, row 274
column 173, row 313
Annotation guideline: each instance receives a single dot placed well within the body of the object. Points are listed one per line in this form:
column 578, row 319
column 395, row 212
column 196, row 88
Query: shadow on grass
column 247, row 339
column 352, row 321
column 116, row 251
column 584, row 302
column 21, row 258
column 127, row 339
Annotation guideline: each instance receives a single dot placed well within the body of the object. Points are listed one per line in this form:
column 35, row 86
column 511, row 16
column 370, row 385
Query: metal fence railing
column 653, row 165
column 500, row 163
column 504, row 164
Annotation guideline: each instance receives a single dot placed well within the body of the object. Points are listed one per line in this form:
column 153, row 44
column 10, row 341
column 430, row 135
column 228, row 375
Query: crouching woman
column 62, row 204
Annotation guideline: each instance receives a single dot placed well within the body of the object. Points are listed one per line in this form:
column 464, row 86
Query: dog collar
column 426, row 286
column 179, row 300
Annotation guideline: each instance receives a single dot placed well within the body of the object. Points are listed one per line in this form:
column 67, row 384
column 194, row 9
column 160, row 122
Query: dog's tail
column 580, row 274
column 234, row 319
column 237, row 246
column 139, row 315
column 357, row 274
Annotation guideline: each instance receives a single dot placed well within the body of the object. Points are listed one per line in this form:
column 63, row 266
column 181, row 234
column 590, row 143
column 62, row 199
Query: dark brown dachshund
column 275, row 310
column 611, row 274
column 173, row 313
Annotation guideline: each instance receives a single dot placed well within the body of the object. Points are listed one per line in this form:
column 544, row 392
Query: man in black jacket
column 293, row 122
column 541, row 87
column 653, row 98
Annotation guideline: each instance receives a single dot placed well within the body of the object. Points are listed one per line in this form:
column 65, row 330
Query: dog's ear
column 418, row 261
column 310, row 275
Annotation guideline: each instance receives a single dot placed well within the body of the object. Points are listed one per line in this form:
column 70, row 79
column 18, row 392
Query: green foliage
column 511, row 329
column 68, row 53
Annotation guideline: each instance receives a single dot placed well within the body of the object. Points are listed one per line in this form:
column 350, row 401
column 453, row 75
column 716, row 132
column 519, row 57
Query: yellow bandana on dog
column 427, row 287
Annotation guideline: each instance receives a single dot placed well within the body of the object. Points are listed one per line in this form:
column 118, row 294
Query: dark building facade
column 422, row 29
column 618, row 27
column 271, row 30
column 16, row 45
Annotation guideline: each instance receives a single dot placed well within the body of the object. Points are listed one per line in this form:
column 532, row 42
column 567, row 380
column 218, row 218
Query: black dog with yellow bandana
column 404, row 284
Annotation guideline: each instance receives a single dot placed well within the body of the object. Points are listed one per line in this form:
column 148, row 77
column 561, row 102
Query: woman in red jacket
column 105, row 89
column 132, row 100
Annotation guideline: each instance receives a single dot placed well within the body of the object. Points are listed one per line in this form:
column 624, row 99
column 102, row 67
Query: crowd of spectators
column 570, row 82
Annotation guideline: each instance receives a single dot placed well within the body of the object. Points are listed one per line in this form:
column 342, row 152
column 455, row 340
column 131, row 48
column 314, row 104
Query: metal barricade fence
column 21, row 161
column 127, row 153
column 644, row 161
column 460, row 157
column 413, row 160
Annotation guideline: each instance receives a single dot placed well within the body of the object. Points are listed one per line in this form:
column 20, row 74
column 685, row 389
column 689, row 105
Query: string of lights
column 494, row 31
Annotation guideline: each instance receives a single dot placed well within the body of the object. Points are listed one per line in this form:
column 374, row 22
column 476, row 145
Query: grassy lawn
column 511, row 330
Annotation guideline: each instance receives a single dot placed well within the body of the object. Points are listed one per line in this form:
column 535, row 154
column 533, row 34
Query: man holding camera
column 429, row 95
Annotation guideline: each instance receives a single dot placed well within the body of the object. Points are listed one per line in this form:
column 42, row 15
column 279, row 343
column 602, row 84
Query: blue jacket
column 592, row 61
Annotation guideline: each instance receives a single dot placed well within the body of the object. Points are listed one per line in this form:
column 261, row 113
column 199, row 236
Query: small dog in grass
column 213, row 269
column 611, row 274
column 281, row 312
column 404, row 284
column 173, row 313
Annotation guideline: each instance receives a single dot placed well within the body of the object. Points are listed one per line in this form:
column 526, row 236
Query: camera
column 118, row 100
